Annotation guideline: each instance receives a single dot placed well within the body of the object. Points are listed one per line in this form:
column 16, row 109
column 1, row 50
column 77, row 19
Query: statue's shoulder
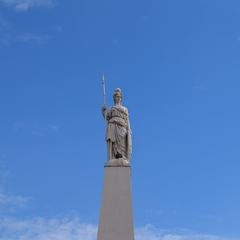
column 125, row 109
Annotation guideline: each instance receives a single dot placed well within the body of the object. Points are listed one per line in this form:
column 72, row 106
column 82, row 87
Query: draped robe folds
column 118, row 134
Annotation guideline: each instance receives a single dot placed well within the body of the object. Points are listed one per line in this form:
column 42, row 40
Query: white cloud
column 67, row 228
column 25, row 5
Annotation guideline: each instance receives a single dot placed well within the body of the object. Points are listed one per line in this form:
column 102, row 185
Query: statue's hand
column 104, row 111
column 104, row 108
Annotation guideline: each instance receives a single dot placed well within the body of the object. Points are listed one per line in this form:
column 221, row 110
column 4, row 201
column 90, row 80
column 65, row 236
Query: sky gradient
column 178, row 65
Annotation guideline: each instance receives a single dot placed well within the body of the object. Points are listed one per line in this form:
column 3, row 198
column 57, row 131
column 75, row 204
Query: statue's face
column 118, row 98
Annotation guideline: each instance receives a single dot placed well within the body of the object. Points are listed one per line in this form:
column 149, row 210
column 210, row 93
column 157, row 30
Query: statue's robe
column 118, row 134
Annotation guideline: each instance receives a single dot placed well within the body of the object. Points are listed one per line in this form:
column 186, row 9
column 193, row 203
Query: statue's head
column 117, row 96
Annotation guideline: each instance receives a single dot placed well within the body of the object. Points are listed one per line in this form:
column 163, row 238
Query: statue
column 118, row 132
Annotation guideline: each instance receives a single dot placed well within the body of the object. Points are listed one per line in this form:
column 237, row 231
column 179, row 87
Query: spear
column 104, row 93
column 104, row 89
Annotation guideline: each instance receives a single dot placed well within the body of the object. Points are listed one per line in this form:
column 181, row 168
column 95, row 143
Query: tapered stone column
column 116, row 221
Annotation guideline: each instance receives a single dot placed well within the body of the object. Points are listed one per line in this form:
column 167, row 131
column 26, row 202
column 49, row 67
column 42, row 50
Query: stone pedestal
column 116, row 222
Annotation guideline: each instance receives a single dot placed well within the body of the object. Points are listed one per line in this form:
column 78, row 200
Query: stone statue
column 118, row 132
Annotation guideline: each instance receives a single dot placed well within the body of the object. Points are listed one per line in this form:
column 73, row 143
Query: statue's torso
column 118, row 115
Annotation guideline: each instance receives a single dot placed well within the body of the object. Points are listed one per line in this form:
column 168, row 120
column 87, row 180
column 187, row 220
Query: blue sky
column 178, row 65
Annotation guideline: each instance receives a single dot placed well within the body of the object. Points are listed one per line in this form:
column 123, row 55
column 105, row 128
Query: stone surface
column 116, row 221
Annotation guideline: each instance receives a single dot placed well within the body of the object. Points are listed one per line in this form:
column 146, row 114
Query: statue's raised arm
column 118, row 132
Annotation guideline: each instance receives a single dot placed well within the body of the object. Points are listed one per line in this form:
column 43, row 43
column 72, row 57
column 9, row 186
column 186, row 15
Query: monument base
column 116, row 221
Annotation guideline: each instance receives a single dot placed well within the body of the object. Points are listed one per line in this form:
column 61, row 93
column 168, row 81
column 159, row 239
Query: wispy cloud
column 6, row 32
column 33, row 38
column 36, row 129
column 9, row 35
column 25, row 5
column 11, row 202
column 67, row 228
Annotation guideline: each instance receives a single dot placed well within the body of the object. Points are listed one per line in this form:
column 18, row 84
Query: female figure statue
column 118, row 133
